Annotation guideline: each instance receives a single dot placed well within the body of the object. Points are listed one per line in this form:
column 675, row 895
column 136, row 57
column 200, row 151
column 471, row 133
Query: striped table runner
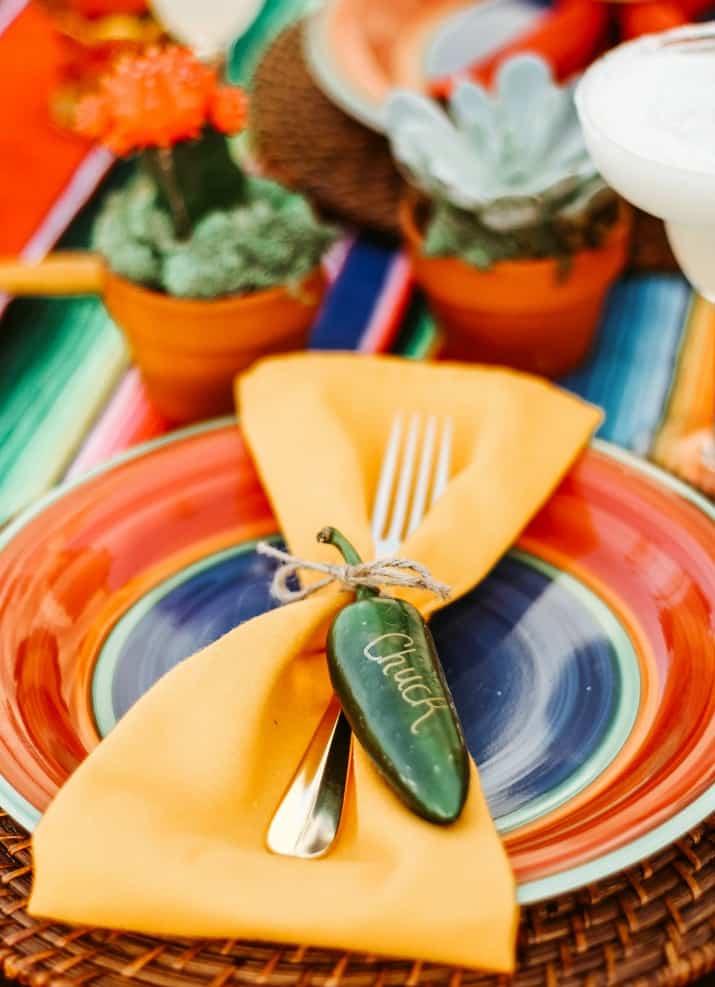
column 70, row 400
column 62, row 361
column 47, row 177
column 65, row 393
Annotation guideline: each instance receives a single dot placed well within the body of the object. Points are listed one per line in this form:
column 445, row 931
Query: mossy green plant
column 269, row 237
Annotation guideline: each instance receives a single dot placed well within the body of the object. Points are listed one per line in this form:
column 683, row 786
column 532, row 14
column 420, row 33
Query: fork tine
column 402, row 498
column 444, row 462
column 387, row 479
column 423, row 475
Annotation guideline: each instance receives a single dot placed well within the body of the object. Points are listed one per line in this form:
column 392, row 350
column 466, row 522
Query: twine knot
column 382, row 572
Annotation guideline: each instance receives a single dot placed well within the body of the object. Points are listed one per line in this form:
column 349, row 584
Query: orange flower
column 156, row 99
column 229, row 109
column 102, row 8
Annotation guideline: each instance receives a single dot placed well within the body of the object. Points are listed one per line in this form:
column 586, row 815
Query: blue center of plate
column 545, row 679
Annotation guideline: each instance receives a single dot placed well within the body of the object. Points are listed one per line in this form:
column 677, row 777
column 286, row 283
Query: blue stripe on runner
column 352, row 299
column 630, row 373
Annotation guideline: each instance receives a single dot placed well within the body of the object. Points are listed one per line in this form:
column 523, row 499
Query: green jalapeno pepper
column 385, row 671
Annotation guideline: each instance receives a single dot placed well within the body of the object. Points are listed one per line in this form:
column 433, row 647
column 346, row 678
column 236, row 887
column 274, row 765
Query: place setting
column 363, row 633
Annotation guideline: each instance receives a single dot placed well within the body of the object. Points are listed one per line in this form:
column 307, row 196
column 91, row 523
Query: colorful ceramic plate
column 358, row 50
column 583, row 667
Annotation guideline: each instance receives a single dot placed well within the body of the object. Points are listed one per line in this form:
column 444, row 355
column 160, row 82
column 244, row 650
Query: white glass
column 647, row 109
column 207, row 26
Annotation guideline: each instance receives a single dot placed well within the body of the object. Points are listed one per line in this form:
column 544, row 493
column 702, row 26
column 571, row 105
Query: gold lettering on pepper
column 407, row 678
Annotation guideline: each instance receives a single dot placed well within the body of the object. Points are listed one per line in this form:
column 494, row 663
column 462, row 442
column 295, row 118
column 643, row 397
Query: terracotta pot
column 521, row 314
column 189, row 351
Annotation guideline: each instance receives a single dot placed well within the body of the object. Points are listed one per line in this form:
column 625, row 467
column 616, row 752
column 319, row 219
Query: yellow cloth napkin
column 165, row 822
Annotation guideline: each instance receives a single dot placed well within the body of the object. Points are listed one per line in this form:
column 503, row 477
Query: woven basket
column 652, row 925
column 306, row 142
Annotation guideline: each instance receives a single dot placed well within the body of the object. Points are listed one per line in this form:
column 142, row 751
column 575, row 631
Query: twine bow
column 382, row 572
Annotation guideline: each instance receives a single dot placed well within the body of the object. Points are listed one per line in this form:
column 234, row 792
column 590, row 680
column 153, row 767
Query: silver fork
column 308, row 817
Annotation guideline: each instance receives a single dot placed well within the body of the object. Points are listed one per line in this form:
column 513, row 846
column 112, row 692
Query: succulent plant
column 271, row 238
column 191, row 222
column 509, row 165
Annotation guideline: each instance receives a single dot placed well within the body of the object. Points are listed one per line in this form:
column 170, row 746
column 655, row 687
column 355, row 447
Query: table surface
column 708, row 981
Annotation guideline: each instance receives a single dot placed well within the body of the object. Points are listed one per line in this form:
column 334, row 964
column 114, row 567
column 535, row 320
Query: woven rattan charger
column 653, row 924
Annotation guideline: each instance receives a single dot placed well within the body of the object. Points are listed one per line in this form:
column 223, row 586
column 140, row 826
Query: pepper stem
column 331, row 536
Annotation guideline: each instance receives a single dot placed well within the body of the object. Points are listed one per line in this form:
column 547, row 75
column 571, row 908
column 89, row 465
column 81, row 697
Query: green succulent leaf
column 507, row 162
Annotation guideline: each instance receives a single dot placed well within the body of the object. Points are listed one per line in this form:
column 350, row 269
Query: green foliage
column 569, row 227
column 506, row 170
column 271, row 238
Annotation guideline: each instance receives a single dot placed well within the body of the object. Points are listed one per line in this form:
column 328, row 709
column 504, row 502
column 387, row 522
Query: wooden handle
column 64, row 273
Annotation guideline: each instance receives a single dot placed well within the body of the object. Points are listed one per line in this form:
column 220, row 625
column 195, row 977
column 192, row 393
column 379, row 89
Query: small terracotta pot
column 520, row 314
column 189, row 351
